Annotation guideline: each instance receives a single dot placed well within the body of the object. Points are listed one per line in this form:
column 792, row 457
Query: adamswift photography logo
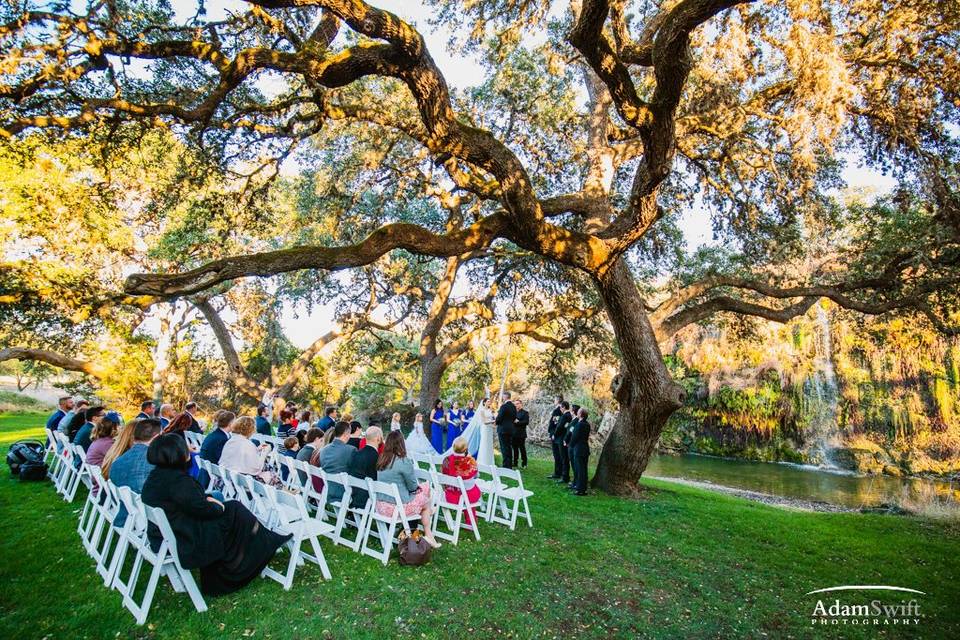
column 863, row 608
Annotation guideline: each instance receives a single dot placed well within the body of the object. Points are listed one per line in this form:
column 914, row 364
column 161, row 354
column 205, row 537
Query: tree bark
column 644, row 389
column 430, row 374
column 50, row 357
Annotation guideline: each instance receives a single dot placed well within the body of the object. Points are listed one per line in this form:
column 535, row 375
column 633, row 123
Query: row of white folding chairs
column 504, row 499
column 66, row 468
column 280, row 511
column 110, row 546
column 457, row 513
column 358, row 525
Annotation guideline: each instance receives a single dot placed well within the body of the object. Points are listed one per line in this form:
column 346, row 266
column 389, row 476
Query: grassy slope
column 682, row 563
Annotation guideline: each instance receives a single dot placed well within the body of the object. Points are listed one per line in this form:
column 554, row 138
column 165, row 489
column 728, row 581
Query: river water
column 804, row 482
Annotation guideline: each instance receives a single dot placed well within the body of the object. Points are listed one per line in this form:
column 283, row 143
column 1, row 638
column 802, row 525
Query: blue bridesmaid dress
column 436, row 430
column 454, row 427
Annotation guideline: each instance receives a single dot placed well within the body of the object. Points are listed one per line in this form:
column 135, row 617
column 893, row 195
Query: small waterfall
column 821, row 394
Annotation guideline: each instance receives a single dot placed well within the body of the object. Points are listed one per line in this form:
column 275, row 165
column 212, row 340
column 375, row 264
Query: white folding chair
column 65, row 469
column 97, row 515
column 193, row 438
column 50, row 456
column 289, row 516
column 487, row 481
column 80, row 475
column 107, row 543
column 342, row 513
column 164, row 561
column 383, row 528
column 219, row 480
column 246, row 493
column 456, row 514
column 292, row 481
column 510, row 497
column 316, row 499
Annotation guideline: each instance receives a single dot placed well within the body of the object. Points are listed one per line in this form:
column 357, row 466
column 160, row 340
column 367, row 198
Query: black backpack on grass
column 26, row 453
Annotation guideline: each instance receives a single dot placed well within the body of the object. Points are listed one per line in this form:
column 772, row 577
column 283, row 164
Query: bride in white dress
column 417, row 442
column 479, row 433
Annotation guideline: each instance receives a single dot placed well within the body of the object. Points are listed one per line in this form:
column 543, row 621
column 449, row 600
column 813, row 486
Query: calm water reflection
column 804, row 483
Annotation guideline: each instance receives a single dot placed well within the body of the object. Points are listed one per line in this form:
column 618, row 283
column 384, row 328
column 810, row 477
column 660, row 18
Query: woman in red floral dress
column 462, row 465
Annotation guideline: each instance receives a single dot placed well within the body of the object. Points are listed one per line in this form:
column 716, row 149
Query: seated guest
column 146, row 410
column 224, row 540
column 121, row 444
column 64, row 405
column 356, row 434
column 191, row 410
column 461, row 464
column 240, row 454
column 395, row 467
column 91, row 418
column 181, row 423
column 263, row 424
column 364, row 463
column 130, row 469
column 335, row 458
column 212, row 446
column 290, row 448
column 102, row 438
column 66, row 421
column 312, row 440
column 304, row 422
column 329, row 419
column 167, row 413
column 288, row 425
column 292, row 408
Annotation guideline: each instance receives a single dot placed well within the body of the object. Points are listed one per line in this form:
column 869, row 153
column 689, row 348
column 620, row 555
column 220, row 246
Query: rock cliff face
column 827, row 389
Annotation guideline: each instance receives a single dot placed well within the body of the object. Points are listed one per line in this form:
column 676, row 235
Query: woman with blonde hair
column 461, row 464
column 241, row 454
column 121, row 444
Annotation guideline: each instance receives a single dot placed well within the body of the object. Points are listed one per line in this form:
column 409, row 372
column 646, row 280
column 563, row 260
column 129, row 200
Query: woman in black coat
column 224, row 540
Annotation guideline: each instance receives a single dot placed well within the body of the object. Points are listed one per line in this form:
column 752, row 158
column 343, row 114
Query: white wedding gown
column 418, row 443
column 479, row 435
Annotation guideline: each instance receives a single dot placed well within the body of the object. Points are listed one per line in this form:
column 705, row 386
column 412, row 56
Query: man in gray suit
column 336, row 458
column 131, row 468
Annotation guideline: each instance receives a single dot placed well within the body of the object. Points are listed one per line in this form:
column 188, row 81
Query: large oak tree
column 746, row 118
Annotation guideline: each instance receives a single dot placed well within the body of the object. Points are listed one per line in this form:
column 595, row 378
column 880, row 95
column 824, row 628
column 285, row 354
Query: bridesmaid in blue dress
column 436, row 426
column 454, row 426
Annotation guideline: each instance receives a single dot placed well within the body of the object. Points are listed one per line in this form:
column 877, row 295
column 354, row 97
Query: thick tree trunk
column 644, row 389
column 430, row 374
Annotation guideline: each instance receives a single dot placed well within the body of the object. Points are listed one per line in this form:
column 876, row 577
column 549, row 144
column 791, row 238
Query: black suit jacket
column 195, row 521
column 561, row 430
column 523, row 419
column 580, row 438
column 554, row 418
column 573, row 425
column 363, row 464
column 506, row 417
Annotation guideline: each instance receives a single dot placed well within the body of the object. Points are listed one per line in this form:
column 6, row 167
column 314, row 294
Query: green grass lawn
column 681, row 563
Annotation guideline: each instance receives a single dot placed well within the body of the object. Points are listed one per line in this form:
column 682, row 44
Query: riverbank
column 765, row 498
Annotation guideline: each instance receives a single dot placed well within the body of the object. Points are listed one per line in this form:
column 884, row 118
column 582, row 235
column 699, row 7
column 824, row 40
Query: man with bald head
column 166, row 415
column 363, row 464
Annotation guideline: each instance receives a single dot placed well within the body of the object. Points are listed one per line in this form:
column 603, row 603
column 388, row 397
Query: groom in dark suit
column 506, row 417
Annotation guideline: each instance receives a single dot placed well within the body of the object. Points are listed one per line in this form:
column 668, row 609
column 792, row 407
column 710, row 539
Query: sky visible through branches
column 463, row 70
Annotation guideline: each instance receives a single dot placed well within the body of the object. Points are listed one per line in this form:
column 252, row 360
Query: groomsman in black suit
column 580, row 452
column 575, row 412
column 551, row 429
column 506, row 419
column 561, row 468
column 520, row 436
